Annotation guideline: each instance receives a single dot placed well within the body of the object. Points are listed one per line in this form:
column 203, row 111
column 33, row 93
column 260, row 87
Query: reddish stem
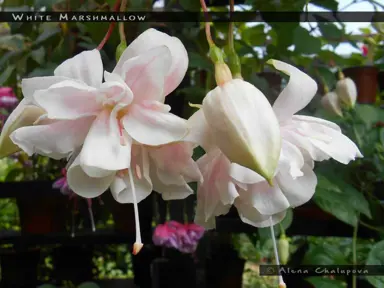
column 111, row 27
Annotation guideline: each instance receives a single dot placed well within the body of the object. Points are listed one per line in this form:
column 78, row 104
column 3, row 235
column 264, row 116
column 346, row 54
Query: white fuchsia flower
column 331, row 103
column 347, row 91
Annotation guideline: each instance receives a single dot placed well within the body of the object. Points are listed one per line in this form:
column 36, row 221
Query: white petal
column 291, row 158
column 68, row 100
column 300, row 190
column 84, row 185
column 199, row 131
column 299, row 91
column 30, row 85
column 85, row 66
column 151, row 127
column 266, row 199
column 347, row 91
column 251, row 216
column 55, row 139
column 150, row 39
column 121, row 187
column 316, row 120
column 103, row 149
column 244, row 175
column 244, row 126
column 23, row 115
column 145, row 74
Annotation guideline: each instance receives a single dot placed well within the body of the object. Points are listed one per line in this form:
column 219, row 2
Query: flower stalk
column 233, row 58
column 110, row 28
column 281, row 281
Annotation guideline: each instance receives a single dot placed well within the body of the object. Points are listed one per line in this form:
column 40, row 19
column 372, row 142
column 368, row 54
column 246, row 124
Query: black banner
column 191, row 17
column 319, row 270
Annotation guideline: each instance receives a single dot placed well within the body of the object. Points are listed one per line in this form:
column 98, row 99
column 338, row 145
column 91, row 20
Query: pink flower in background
column 8, row 98
column 182, row 237
column 62, row 184
column 365, row 50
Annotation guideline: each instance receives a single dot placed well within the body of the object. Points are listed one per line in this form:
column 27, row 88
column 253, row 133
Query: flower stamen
column 138, row 244
column 281, row 281
column 89, row 202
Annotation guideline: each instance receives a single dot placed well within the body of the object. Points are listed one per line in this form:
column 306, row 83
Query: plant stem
column 281, row 281
column 123, row 6
column 110, row 29
column 230, row 28
column 354, row 256
column 207, row 25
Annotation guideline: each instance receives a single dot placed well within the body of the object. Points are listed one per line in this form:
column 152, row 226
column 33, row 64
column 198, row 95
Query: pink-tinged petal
column 86, row 186
column 150, row 39
column 107, row 146
column 151, row 127
column 244, row 175
column 53, row 138
column 144, row 74
column 30, row 85
column 299, row 91
column 114, row 90
column 85, row 66
column 217, row 191
column 199, row 131
column 251, row 216
column 68, row 100
column 121, row 187
column 23, row 115
column 266, row 199
column 300, row 190
column 191, row 172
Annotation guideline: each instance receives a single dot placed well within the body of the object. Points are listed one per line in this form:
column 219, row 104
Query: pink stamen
column 122, row 139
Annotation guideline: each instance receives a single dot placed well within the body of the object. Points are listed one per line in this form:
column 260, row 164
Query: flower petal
column 251, row 216
column 103, row 149
column 55, row 139
column 299, row 91
column 244, row 175
column 144, row 74
column 121, row 187
column 152, row 127
column 199, row 131
column 23, row 115
column 244, row 126
column 300, row 190
column 266, row 199
column 68, row 100
column 315, row 120
column 291, row 159
column 86, row 186
column 85, row 66
column 30, row 85
column 150, row 39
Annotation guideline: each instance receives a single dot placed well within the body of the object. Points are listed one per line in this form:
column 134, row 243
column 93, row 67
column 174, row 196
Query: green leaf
column 190, row 5
column 369, row 114
column 38, row 55
column 331, row 32
column 12, row 42
column 327, row 76
column 327, row 4
column 47, row 286
column 198, row 61
column 6, row 74
column 321, row 282
column 324, row 254
column 48, row 33
column 254, row 36
column 304, row 42
column 376, row 257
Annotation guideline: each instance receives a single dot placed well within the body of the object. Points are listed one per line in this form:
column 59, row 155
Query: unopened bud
column 331, row 103
column 283, row 249
column 120, row 49
column 347, row 92
column 222, row 74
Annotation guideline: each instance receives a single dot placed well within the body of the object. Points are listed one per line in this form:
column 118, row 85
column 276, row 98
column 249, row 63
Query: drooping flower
column 80, row 109
column 62, row 183
column 182, row 237
column 318, row 138
column 347, row 91
column 304, row 140
column 331, row 103
column 243, row 125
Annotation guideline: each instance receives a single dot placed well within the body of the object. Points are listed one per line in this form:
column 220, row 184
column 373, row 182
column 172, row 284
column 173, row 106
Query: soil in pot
column 365, row 78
